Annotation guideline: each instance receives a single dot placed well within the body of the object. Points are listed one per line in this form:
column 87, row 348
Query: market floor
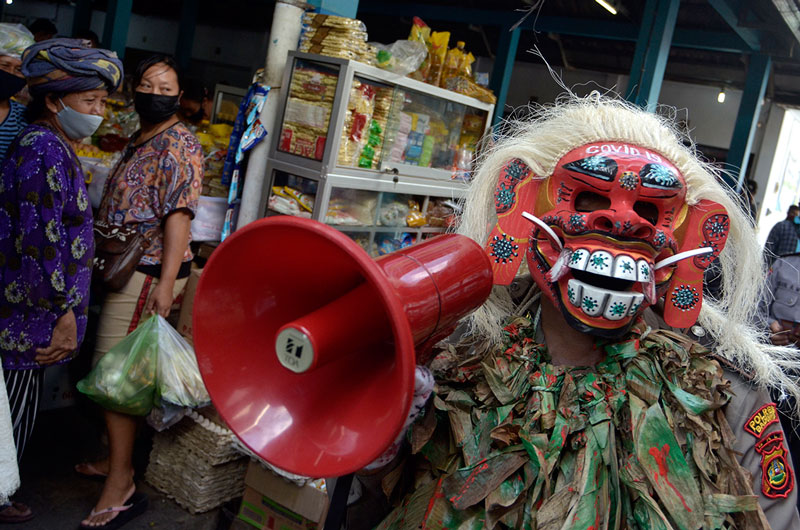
column 60, row 498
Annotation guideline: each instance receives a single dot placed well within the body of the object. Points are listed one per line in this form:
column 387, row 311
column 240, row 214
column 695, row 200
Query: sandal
column 15, row 512
column 135, row 505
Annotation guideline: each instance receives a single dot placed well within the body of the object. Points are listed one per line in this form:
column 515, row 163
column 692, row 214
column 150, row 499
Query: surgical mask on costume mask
column 155, row 108
column 77, row 125
column 10, row 85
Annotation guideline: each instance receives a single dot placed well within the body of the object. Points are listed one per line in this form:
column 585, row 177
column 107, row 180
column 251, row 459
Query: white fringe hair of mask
column 543, row 138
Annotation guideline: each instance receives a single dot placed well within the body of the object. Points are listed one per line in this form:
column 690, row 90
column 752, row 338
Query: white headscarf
column 14, row 38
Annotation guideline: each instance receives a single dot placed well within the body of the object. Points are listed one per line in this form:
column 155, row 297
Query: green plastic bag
column 150, row 367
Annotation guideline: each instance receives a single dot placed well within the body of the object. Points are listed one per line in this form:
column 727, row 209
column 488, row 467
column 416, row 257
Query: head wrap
column 14, row 38
column 69, row 65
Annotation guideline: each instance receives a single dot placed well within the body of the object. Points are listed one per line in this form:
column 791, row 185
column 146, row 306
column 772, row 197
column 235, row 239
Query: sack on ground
column 151, row 366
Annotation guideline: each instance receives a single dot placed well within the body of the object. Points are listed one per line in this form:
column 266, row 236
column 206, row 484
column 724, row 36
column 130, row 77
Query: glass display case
column 226, row 103
column 381, row 157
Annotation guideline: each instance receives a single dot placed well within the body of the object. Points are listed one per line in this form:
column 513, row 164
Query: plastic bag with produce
column 151, row 367
column 401, row 57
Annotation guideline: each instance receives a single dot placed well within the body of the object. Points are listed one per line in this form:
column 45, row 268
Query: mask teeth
column 559, row 268
column 649, row 290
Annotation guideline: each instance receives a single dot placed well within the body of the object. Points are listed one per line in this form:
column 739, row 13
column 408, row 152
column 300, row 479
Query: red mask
column 615, row 212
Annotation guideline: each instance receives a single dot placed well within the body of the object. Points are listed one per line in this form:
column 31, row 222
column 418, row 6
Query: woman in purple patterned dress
column 46, row 239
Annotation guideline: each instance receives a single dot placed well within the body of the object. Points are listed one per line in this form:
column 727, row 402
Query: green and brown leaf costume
column 639, row 441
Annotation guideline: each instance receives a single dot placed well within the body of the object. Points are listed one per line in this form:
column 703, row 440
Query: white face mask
column 77, row 125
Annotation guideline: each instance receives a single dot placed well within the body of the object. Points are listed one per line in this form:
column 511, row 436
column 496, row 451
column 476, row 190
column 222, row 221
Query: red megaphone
column 307, row 345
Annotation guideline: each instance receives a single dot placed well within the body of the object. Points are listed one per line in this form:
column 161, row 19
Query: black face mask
column 155, row 108
column 9, row 85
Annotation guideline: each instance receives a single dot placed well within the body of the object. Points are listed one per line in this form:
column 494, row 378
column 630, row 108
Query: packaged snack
column 393, row 214
column 438, row 53
column 304, row 201
column 414, row 218
column 455, row 58
column 420, row 32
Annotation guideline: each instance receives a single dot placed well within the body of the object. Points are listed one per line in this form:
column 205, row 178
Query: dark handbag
column 118, row 250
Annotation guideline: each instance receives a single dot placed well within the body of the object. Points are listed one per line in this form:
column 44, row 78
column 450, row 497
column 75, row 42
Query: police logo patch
column 776, row 472
column 763, row 418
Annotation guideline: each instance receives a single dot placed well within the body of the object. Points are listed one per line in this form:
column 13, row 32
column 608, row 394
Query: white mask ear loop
column 682, row 256
column 541, row 224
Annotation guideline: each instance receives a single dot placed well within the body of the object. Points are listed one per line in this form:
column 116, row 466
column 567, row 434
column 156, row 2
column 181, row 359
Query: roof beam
column 791, row 15
column 581, row 27
column 731, row 17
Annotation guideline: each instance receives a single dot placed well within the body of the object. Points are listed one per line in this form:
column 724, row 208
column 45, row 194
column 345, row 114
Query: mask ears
column 707, row 226
column 516, row 191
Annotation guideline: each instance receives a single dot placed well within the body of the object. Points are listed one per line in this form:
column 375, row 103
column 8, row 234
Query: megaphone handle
column 338, row 505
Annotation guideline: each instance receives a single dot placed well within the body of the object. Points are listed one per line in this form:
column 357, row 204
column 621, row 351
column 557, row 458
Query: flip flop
column 91, row 471
column 135, row 506
column 15, row 512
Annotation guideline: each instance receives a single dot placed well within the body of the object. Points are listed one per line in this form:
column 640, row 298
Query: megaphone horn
column 307, row 345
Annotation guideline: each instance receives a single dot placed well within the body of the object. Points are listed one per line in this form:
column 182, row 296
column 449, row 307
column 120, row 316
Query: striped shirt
column 11, row 126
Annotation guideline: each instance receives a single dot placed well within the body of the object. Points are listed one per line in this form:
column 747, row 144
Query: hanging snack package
column 438, row 53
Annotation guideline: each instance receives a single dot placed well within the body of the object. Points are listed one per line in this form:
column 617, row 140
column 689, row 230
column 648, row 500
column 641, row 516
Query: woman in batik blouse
column 155, row 188
column 46, row 242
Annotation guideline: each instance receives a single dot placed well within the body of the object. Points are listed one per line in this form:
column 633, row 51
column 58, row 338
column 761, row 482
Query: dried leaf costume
column 611, row 212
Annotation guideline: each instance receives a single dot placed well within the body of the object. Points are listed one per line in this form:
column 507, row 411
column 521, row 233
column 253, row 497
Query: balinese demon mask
column 606, row 235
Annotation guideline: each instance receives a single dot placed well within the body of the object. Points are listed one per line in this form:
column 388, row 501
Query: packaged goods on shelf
column 334, row 36
column 290, row 201
column 438, row 53
column 357, row 123
column 394, row 213
column 440, row 213
column 388, row 243
column 214, row 140
column 421, row 32
column 351, row 207
column 307, row 113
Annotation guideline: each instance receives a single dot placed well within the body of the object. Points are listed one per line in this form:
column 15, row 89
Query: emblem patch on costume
column 776, row 472
column 763, row 418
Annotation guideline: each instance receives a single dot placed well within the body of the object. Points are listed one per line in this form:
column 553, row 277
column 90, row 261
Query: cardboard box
column 185, row 319
column 261, row 512
column 271, row 501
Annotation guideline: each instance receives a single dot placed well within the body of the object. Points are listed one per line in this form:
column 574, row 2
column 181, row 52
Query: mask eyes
column 597, row 166
column 588, row 201
column 647, row 211
column 658, row 176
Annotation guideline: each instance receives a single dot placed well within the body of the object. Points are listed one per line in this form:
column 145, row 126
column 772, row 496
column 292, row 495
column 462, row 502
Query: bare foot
column 116, row 492
column 93, row 469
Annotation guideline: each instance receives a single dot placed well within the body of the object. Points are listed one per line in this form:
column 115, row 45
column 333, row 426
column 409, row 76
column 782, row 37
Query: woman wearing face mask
column 46, row 240
column 155, row 188
column 14, row 38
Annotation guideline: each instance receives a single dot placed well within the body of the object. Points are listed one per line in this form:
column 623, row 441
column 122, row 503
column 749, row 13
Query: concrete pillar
column 503, row 68
column 183, row 48
column 82, row 18
column 652, row 51
column 747, row 117
column 115, row 31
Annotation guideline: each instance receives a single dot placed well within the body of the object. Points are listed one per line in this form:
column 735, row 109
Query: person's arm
column 762, row 447
column 180, row 191
column 46, row 243
column 176, row 239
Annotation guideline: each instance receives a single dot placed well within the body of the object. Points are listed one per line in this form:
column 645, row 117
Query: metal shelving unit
column 323, row 97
